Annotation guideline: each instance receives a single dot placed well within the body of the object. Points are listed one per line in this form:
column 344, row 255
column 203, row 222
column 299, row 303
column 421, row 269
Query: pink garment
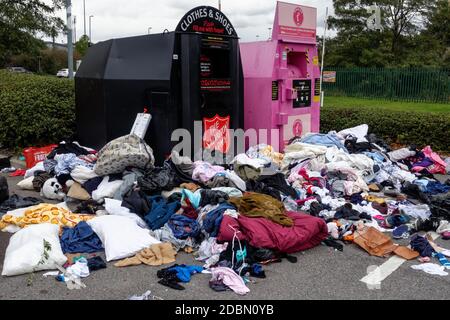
column 307, row 232
column 379, row 217
column 298, row 172
column 439, row 164
column 348, row 188
column 230, row 279
column 205, row 171
column 424, row 259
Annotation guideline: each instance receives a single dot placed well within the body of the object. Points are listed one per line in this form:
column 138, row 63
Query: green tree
column 21, row 21
column 357, row 45
column 82, row 45
column 46, row 61
column 437, row 33
column 438, row 24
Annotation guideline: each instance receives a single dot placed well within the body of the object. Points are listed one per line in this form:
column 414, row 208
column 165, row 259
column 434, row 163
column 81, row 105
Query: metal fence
column 417, row 85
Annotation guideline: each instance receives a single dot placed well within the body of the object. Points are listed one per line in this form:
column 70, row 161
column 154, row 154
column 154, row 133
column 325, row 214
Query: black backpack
column 4, row 192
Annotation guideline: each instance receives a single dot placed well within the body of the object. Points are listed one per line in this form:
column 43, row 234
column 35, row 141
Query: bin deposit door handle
column 289, row 93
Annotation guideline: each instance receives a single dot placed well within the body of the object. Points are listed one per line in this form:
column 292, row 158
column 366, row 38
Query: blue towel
column 327, row 140
column 184, row 272
column 80, row 239
column 194, row 197
column 160, row 212
column 433, row 188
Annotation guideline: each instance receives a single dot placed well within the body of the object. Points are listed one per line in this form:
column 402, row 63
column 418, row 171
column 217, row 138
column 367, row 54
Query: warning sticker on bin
column 217, row 134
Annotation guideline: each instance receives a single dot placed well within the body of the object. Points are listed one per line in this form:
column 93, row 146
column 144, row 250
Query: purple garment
column 425, row 163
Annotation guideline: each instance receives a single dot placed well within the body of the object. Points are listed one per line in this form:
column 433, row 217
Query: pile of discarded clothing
column 333, row 189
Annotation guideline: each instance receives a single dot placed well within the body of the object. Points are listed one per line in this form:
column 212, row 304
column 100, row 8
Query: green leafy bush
column 419, row 128
column 35, row 110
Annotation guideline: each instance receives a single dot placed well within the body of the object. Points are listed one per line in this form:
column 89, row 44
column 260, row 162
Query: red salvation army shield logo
column 217, row 135
column 298, row 16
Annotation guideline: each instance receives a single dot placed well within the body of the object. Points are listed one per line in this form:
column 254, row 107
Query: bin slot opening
column 158, row 99
column 297, row 65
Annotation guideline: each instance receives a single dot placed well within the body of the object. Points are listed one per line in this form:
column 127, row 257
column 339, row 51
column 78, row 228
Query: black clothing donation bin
column 191, row 74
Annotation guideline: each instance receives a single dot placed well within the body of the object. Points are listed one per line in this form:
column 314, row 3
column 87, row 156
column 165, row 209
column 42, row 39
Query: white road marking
column 387, row 268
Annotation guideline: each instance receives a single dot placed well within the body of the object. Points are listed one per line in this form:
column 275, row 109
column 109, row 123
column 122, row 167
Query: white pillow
column 26, row 249
column 114, row 207
column 26, row 184
column 121, row 236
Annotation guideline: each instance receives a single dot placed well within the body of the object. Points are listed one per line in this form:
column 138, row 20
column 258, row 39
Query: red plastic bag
column 34, row 155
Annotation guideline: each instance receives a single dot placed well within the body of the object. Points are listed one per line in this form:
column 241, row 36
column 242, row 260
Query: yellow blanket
column 44, row 213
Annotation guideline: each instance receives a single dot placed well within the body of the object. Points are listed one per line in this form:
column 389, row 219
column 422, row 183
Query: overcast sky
column 123, row 18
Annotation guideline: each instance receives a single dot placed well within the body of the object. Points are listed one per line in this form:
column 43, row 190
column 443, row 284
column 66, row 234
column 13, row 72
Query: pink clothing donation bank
column 282, row 77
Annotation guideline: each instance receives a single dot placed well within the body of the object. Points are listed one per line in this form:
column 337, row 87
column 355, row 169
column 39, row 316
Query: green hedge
column 419, row 128
column 35, row 110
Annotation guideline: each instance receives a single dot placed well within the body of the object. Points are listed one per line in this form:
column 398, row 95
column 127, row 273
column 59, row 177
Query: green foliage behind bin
column 35, row 110
column 419, row 128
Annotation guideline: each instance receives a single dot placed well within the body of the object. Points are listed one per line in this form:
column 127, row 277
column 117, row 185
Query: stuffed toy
column 52, row 190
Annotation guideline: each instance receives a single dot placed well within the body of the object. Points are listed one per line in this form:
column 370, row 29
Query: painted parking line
column 387, row 268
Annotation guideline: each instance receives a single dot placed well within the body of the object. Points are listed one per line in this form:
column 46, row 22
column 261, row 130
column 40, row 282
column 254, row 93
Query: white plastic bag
column 26, row 184
column 359, row 132
column 37, row 167
column 121, row 236
column 26, row 250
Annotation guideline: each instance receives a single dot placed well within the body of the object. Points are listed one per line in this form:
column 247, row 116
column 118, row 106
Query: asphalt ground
column 320, row 273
